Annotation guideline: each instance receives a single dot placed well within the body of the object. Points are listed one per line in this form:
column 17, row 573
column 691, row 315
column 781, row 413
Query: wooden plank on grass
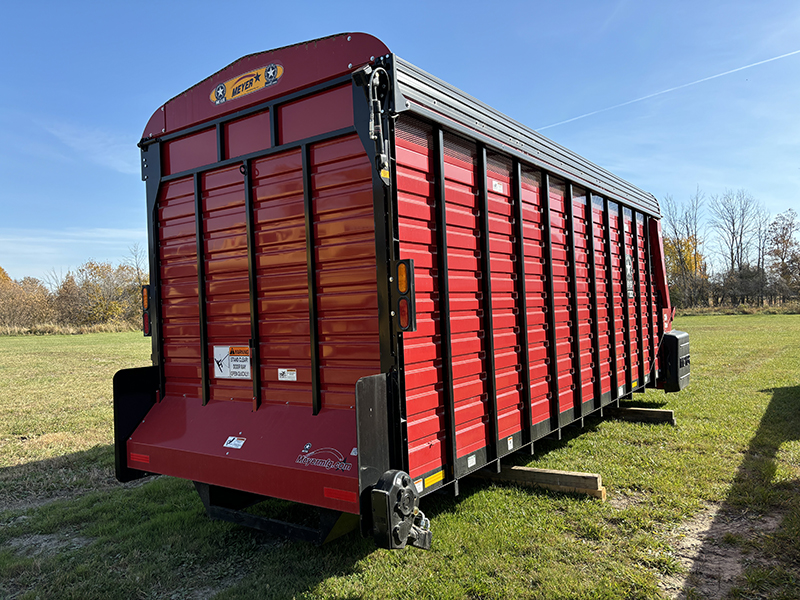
column 642, row 415
column 590, row 484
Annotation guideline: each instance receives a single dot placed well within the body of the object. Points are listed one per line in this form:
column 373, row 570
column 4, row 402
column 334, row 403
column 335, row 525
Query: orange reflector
column 403, row 313
column 344, row 495
column 145, row 297
column 140, row 458
column 402, row 278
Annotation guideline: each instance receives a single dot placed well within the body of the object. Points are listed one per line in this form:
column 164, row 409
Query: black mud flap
column 675, row 360
column 134, row 394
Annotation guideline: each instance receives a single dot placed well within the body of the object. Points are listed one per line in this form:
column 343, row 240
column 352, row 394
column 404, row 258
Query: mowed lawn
column 68, row 530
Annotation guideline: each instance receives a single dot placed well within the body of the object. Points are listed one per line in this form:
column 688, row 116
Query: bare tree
column 735, row 219
column 137, row 260
column 784, row 252
column 684, row 240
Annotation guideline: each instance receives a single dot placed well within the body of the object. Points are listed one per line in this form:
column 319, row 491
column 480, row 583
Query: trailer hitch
column 396, row 517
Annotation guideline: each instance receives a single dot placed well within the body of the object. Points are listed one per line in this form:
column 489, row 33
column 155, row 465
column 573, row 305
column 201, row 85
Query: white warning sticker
column 287, row 374
column 471, row 460
column 235, row 442
column 232, row 362
column 497, row 186
column 419, row 485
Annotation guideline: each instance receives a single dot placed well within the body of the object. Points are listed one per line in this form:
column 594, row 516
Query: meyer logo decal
column 327, row 458
column 247, row 83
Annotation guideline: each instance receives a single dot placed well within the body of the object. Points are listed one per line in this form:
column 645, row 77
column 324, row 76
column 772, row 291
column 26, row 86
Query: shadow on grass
column 751, row 545
column 36, row 483
column 148, row 538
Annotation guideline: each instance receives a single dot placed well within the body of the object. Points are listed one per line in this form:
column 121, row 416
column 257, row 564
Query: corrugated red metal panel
column 344, row 234
column 227, row 294
column 574, row 231
column 282, row 279
column 603, row 298
column 535, row 275
column 178, row 275
column 425, row 409
column 467, row 304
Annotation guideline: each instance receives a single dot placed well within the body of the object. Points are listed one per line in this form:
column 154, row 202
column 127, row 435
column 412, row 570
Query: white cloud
column 38, row 252
column 109, row 150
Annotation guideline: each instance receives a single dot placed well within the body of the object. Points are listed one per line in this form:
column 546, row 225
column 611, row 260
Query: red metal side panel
column 505, row 292
column 617, row 294
column 629, row 299
column 467, row 303
column 612, row 281
column 603, row 298
column 560, row 272
column 424, row 379
column 535, row 275
column 582, row 216
column 646, row 335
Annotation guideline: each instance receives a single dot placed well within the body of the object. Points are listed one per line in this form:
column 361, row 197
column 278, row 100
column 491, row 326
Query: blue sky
column 81, row 79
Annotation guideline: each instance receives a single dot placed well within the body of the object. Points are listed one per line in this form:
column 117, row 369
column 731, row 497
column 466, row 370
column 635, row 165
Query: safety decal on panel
column 287, row 374
column 246, row 83
column 234, row 442
column 232, row 362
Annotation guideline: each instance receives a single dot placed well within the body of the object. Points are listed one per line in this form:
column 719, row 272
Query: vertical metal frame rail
column 650, row 324
column 255, row 341
column 547, row 239
column 626, row 300
column 443, row 285
column 151, row 169
column 316, row 399
column 201, row 286
column 595, row 318
column 612, row 330
column 569, row 201
column 522, row 302
column 488, row 321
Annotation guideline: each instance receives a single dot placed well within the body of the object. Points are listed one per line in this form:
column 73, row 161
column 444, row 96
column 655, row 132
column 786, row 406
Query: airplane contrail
column 672, row 89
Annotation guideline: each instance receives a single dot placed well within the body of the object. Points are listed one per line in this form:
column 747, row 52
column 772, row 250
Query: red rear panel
column 262, row 341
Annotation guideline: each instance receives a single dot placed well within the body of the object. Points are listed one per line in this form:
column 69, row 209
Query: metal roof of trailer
column 435, row 99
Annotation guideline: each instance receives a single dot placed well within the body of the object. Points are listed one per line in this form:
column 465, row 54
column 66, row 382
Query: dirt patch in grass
column 714, row 548
column 47, row 544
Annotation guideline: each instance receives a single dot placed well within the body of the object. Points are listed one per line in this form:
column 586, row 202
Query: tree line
column 726, row 250
column 96, row 293
column 720, row 250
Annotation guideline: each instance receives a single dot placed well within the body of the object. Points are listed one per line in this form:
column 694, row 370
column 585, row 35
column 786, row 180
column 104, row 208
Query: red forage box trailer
column 366, row 285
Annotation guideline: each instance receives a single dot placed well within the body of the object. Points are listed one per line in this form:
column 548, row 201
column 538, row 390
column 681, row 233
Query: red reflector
column 146, row 323
column 403, row 313
column 140, row 458
column 335, row 494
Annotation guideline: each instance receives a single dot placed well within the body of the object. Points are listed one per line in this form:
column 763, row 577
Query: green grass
column 737, row 443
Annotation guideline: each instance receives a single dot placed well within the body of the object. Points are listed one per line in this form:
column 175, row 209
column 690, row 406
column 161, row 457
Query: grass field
column 67, row 530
